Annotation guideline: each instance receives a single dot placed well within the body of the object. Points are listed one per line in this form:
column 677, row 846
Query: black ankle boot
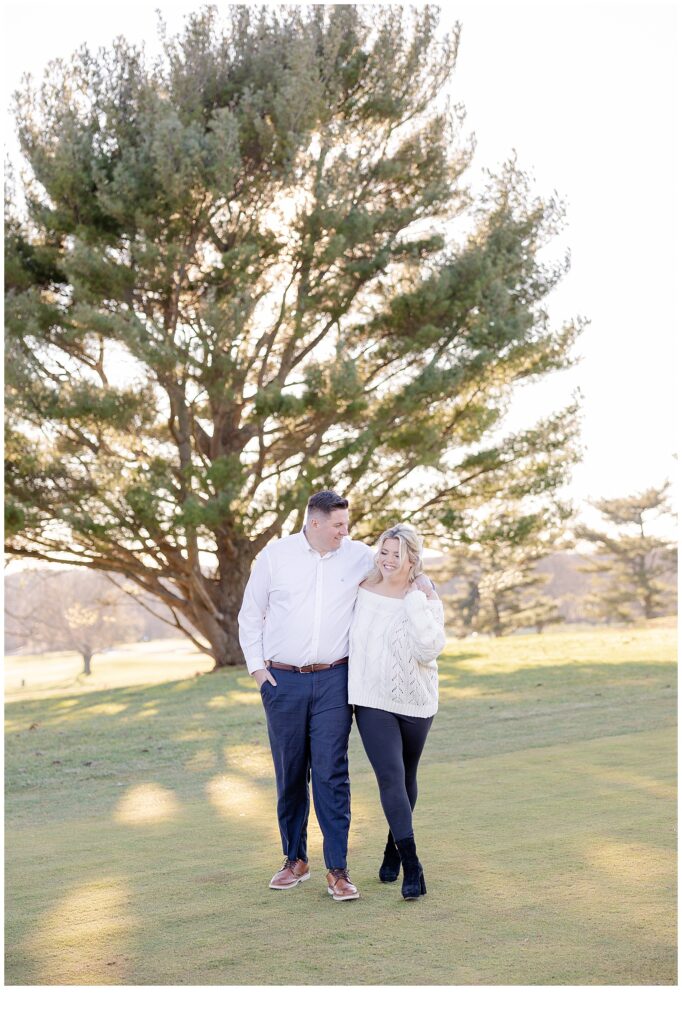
column 390, row 866
column 414, row 885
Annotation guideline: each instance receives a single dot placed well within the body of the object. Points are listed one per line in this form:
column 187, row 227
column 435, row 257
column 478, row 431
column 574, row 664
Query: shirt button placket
column 317, row 615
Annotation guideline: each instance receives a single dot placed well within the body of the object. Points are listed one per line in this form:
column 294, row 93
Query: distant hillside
column 567, row 584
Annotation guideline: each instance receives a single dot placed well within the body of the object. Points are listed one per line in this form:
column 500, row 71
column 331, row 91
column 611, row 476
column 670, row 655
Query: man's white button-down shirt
column 298, row 604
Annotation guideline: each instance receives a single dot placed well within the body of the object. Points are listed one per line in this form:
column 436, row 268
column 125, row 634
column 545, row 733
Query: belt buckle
column 306, row 669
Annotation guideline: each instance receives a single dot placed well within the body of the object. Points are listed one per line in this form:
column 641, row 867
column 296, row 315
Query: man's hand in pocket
column 261, row 674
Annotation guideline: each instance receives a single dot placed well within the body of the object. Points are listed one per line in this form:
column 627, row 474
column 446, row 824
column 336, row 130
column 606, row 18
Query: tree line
column 492, row 584
column 498, row 586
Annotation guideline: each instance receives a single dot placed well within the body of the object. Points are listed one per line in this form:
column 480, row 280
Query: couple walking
column 327, row 625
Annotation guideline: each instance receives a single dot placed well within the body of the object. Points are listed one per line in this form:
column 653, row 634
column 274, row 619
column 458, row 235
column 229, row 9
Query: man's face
column 327, row 531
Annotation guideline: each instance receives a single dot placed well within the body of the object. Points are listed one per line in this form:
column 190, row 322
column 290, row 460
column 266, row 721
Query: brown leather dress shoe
column 291, row 873
column 339, row 885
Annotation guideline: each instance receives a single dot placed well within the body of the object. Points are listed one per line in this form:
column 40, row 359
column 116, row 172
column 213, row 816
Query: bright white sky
column 585, row 95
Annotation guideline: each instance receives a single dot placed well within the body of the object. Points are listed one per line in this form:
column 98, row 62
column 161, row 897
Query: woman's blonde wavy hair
column 409, row 546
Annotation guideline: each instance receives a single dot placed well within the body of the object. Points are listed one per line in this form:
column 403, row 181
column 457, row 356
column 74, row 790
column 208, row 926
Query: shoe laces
column 340, row 873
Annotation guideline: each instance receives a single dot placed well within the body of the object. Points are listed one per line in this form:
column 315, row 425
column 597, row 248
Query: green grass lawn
column 141, row 829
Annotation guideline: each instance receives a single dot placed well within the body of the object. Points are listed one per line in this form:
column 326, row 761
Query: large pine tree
column 235, row 277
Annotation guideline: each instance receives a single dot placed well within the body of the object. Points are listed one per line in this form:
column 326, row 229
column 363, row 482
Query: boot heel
column 414, row 885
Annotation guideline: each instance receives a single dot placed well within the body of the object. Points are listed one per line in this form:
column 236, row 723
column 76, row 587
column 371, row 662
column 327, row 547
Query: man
column 293, row 630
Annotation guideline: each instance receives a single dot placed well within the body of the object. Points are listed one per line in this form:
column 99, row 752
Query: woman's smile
column 389, row 557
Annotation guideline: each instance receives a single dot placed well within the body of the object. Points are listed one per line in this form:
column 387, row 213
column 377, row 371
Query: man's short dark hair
column 326, row 502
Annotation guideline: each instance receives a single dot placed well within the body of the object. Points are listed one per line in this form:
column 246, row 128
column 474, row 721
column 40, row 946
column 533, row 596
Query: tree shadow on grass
column 155, row 856
column 534, row 878
column 215, row 723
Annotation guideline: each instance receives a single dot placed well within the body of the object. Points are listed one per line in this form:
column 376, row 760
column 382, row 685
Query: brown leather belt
column 304, row 668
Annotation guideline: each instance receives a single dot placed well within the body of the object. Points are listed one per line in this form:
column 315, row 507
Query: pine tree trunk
column 649, row 612
column 221, row 631
column 497, row 622
column 471, row 605
column 223, row 639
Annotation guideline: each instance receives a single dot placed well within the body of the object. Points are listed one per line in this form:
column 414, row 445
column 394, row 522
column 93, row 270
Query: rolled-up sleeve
column 252, row 613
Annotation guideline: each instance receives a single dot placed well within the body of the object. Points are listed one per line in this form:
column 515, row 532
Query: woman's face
column 389, row 560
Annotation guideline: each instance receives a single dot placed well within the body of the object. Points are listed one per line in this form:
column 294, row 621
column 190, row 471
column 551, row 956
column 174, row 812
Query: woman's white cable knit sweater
column 393, row 647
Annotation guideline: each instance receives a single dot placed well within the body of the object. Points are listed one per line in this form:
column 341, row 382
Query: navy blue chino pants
column 309, row 721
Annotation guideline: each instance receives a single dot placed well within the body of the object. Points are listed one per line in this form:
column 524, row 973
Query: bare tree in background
column 75, row 611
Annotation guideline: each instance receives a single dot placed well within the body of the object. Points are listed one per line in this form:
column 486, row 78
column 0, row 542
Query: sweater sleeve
column 425, row 626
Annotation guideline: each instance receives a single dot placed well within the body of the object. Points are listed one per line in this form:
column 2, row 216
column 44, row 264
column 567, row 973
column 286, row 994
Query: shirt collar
column 305, row 542
column 308, row 546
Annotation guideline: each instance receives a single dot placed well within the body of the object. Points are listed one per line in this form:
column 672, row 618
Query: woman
column 396, row 634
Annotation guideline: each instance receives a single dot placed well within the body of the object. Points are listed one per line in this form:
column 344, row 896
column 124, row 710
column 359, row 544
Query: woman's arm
column 425, row 625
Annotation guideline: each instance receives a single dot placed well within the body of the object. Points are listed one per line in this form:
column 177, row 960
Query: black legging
column 394, row 744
